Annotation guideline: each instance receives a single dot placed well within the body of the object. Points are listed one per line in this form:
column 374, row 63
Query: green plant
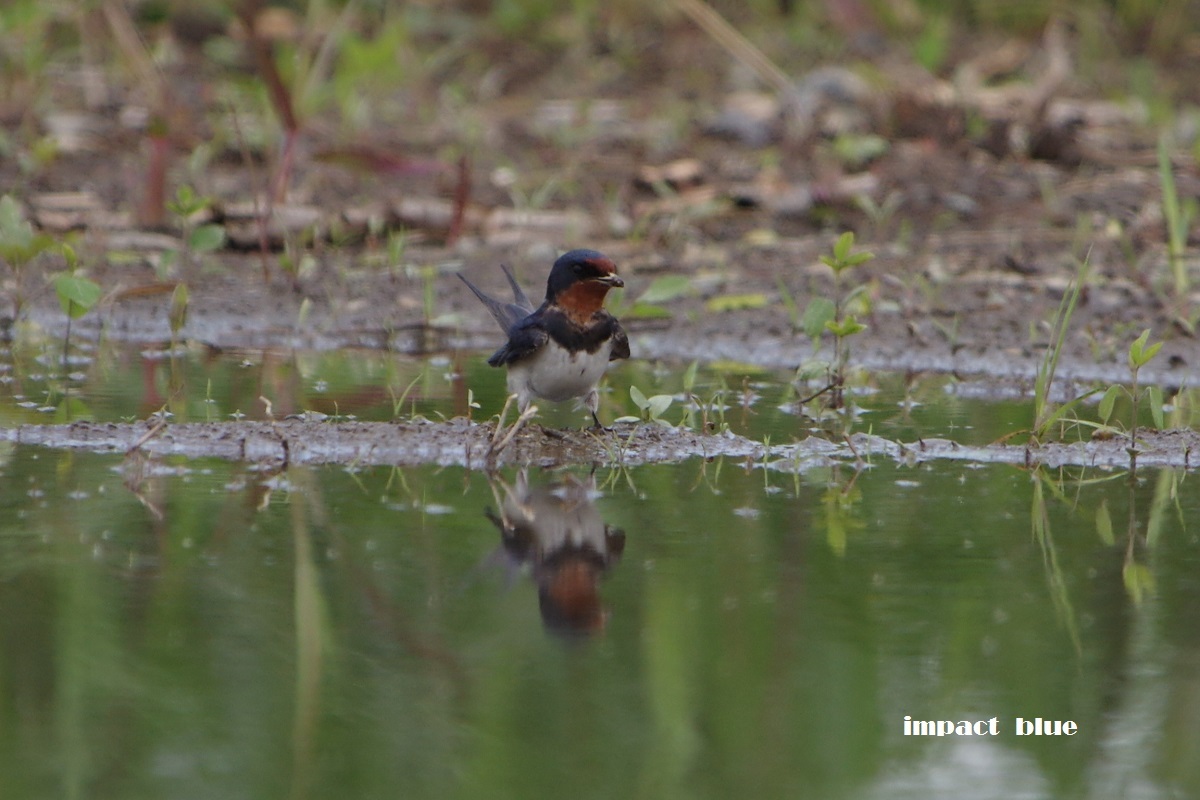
column 1140, row 354
column 824, row 314
column 689, row 384
column 1178, row 217
column 880, row 214
column 18, row 243
column 398, row 401
column 203, row 238
column 1044, row 414
column 76, row 294
column 652, row 408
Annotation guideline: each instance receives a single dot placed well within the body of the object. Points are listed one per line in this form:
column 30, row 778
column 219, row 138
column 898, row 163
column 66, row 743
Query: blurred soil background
column 315, row 173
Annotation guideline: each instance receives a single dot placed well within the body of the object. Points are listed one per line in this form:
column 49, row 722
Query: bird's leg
column 500, row 421
column 592, row 403
column 526, row 415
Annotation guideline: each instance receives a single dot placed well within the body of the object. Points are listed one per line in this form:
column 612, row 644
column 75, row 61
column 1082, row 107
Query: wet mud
column 460, row 442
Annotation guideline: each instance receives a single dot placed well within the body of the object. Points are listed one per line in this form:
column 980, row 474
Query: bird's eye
column 577, row 269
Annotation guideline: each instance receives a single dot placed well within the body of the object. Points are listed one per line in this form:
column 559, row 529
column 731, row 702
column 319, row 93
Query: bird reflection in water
column 556, row 531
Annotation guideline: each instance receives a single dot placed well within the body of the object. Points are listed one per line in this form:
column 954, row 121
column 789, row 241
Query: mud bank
column 460, row 442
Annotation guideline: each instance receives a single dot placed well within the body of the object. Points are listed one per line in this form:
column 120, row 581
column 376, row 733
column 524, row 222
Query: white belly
column 555, row 374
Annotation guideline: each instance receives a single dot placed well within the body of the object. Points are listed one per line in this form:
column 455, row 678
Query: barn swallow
column 560, row 350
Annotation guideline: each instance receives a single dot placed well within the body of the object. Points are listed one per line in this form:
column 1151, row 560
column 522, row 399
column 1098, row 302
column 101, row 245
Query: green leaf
column 858, row 299
column 69, row 255
column 14, row 230
column 1151, row 352
column 820, row 311
column 76, row 294
column 643, row 311
column 187, row 202
column 658, row 404
column 18, row 242
column 847, row 327
column 1104, row 526
column 1061, row 411
column 639, row 399
column 207, row 238
column 1136, row 348
column 689, row 376
column 859, row 258
column 856, row 150
column 72, row 409
column 666, row 288
column 841, row 248
column 1108, row 401
column 1156, row 406
column 736, row 302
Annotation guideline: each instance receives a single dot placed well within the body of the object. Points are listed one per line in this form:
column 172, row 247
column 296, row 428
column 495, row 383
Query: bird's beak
column 612, row 280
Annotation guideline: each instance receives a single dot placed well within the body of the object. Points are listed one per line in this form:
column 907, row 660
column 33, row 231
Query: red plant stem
column 462, row 195
column 153, row 210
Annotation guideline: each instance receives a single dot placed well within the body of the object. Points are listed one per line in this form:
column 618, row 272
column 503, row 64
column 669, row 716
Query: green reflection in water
column 207, row 629
column 112, row 383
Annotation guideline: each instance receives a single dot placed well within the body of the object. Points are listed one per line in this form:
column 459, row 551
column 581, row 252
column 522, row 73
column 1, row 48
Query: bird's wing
column 507, row 315
column 518, row 293
column 620, row 342
column 525, row 339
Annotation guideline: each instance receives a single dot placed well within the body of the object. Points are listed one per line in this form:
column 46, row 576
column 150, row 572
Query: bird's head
column 579, row 281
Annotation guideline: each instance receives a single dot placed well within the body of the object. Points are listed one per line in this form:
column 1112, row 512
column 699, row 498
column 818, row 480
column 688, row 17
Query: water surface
column 206, row 629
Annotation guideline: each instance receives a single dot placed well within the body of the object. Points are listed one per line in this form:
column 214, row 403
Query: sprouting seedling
column 652, row 407
column 1045, row 415
column 1178, row 217
column 1140, row 354
column 196, row 238
column 18, row 243
column 823, row 314
column 76, row 294
column 398, row 401
column 689, row 384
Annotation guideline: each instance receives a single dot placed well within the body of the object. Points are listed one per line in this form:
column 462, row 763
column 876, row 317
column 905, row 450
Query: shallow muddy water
column 119, row 383
column 204, row 628
column 716, row 627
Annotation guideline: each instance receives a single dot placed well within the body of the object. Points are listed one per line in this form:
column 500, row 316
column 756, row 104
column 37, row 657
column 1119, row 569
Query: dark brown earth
column 988, row 190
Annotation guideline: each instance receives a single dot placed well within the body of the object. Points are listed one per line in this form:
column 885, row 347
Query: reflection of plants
column 1136, row 575
column 177, row 318
column 841, row 512
column 823, row 314
column 1040, row 521
column 1140, row 354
